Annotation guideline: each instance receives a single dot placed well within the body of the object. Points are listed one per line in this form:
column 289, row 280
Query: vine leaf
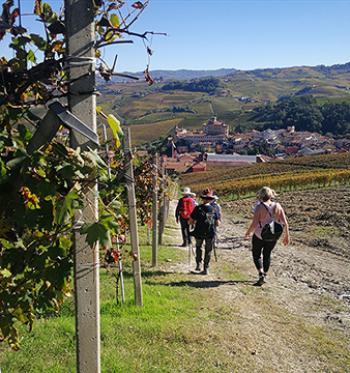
column 97, row 232
column 148, row 77
column 115, row 21
column 38, row 7
column 38, row 41
column 114, row 124
column 137, row 5
column 65, row 208
column 31, row 56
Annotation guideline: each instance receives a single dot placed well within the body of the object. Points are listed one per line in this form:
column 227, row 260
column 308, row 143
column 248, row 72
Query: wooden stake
column 130, row 185
column 162, row 212
column 155, row 212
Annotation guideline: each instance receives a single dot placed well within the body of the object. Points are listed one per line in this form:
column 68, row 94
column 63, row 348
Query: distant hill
column 294, row 72
column 192, row 96
column 178, row 74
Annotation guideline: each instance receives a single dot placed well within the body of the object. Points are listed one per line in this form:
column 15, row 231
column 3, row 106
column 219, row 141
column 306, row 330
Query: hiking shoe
column 198, row 267
column 205, row 271
column 183, row 245
column 261, row 280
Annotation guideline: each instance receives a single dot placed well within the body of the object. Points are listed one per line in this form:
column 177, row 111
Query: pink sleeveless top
column 268, row 218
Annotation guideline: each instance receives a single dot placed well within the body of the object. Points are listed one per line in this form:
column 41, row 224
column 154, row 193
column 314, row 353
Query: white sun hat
column 187, row 191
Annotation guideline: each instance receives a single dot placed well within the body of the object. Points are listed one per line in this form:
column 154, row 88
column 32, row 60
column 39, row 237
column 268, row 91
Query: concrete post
column 82, row 103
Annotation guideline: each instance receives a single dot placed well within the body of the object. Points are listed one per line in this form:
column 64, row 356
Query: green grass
column 186, row 325
column 325, row 231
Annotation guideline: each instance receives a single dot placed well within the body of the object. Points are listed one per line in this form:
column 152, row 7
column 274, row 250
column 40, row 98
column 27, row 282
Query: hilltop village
column 191, row 151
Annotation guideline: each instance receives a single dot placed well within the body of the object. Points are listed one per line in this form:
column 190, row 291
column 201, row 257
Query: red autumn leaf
column 14, row 15
column 148, row 77
column 114, row 6
column 116, row 255
column 137, row 5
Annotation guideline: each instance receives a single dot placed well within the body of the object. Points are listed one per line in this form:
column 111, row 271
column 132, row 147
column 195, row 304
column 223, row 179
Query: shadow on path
column 202, row 284
column 147, row 274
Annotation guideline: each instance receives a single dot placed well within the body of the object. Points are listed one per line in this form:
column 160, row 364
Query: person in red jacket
column 183, row 211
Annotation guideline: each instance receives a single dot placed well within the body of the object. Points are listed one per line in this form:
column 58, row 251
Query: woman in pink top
column 265, row 211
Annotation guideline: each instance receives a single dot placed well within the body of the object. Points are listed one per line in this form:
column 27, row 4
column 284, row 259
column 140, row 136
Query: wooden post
column 130, row 185
column 148, row 239
column 155, row 212
column 80, row 36
column 162, row 212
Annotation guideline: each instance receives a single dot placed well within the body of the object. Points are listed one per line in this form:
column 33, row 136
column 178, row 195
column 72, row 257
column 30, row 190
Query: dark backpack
column 272, row 231
column 187, row 207
column 205, row 223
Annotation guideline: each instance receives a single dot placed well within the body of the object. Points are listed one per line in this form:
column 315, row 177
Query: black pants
column 185, row 230
column 262, row 253
column 208, row 247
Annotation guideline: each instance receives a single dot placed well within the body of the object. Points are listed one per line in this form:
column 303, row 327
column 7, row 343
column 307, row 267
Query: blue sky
column 243, row 34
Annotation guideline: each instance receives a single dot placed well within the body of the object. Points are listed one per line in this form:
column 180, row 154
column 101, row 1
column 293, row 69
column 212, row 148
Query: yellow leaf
column 114, row 124
column 114, row 20
column 117, row 142
column 5, row 273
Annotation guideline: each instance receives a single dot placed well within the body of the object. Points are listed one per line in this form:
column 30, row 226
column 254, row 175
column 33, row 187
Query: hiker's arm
column 218, row 216
column 193, row 217
column 191, row 221
column 283, row 219
column 177, row 211
column 218, row 212
column 254, row 223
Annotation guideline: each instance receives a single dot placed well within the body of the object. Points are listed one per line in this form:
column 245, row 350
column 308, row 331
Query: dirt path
column 299, row 321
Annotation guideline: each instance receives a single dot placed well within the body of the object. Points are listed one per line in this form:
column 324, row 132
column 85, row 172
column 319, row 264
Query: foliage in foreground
column 41, row 192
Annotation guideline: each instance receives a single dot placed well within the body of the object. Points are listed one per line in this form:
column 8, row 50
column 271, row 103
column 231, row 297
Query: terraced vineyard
column 292, row 174
column 139, row 104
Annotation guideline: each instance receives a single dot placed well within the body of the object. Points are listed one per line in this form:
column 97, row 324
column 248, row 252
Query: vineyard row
column 287, row 181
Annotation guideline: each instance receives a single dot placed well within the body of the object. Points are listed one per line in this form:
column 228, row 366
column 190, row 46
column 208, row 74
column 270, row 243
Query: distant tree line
column 171, row 109
column 208, row 85
column 306, row 115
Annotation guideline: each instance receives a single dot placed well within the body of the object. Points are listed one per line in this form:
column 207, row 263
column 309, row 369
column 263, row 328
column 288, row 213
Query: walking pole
column 189, row 247
column 121, row 275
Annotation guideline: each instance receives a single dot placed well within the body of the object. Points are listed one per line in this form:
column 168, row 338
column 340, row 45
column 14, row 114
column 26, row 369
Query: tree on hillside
column 301, row 112
column 208, row 85
column 336, row 118
column 306, row 115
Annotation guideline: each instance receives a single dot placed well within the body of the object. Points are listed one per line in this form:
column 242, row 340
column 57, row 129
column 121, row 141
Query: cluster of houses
column 192, row 151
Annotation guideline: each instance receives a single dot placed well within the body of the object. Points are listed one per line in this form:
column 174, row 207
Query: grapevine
column 40, row 192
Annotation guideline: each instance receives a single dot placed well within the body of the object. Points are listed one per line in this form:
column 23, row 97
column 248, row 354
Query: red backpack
column 187, row 207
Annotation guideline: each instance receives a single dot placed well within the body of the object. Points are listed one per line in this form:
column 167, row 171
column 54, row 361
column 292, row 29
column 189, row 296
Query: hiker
column 184, row 208
column 216, row 206
column 266, row 211
column 205, row 219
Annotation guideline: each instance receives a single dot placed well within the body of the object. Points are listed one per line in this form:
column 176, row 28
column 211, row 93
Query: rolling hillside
column 236, row 94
